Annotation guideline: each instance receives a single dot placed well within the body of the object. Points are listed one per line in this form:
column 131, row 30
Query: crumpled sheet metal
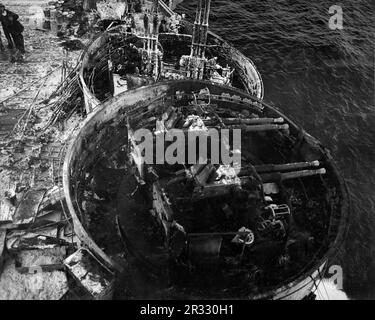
column 20, row 240
column 95, row 279
column 29, row 206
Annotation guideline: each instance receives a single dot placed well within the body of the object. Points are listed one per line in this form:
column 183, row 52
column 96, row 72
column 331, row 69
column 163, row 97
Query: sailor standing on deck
column 12, row 29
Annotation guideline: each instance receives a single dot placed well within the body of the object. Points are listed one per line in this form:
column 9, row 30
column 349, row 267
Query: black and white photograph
column 206, row 151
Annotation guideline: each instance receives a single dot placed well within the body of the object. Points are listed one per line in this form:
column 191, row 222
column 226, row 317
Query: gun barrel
column 286, row 167
column 261, row 128
column 272, row 177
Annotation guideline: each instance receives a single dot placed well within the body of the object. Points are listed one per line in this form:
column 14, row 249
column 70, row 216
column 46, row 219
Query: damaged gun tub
column 131, row 55
column 264, row 229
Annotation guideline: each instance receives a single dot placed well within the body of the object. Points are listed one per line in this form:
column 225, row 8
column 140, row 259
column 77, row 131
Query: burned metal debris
column 93, row 277
column 81, row 217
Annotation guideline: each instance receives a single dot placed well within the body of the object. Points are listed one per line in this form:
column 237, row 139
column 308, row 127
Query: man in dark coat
column 12, row 29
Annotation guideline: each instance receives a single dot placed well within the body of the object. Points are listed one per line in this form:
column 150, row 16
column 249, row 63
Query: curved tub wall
column 80, row 151
column 91, row 102
column 249, row 73
column 111, row 113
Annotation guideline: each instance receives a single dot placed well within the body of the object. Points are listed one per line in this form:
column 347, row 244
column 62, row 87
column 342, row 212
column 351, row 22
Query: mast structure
column 199, row 41
column 151, row 36
column 196, row 62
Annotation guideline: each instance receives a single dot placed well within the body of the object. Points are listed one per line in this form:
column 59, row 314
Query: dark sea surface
column 323, row 79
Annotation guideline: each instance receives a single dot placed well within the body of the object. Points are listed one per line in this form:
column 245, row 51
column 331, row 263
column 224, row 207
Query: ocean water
column 323, row 79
